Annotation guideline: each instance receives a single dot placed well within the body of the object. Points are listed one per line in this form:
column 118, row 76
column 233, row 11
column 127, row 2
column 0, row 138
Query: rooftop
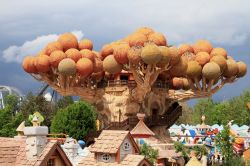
column 142, row 129
column 109, row 141
column 13, row 152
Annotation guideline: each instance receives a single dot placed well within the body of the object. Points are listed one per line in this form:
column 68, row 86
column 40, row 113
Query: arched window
column 106, row 157
column 126, row 145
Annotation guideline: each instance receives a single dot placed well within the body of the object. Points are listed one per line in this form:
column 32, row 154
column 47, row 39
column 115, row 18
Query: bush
column 149, row 153
column 76, row 120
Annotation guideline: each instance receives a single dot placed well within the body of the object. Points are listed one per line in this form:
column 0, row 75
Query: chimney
column 140, row 116
column 36, row 139
column 71, row 149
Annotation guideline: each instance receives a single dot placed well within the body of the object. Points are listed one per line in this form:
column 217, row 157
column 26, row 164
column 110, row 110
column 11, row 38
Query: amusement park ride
column 139, row 73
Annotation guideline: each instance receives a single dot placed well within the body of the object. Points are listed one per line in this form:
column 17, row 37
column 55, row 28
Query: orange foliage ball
column 88, row 54
column 68, row 40
column 56, row 57
column 202, row 46
column 137, row 39
column 175, row 55
column 29, row 64
column 185, row 48
column 85, row 44
column 177, row 83
column 53, row 46
column 84, row 67
column 121, row 53
column 145, row 31
column 42, row 63
column 106, row 50
column 158, row 38
column 219, row 51
column 202, row 58
column 73, row 54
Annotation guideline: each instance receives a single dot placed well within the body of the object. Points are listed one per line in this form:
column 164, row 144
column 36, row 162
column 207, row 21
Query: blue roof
column 192, row 133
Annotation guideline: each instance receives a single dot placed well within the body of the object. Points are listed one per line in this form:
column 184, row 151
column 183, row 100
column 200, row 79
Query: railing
column 129, row 83
column 119, row 125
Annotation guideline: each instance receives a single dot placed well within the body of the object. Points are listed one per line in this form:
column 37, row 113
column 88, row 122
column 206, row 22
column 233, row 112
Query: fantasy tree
column 139, row 73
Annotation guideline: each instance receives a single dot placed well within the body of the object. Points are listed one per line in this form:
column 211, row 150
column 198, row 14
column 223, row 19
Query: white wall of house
column 123, row 150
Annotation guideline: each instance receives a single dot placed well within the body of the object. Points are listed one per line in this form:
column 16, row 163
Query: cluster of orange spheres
column 67, row 56
column 141, row 48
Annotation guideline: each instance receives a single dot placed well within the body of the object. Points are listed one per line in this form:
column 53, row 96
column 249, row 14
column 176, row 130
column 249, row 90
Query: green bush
column 149, row 153
column 76, row 120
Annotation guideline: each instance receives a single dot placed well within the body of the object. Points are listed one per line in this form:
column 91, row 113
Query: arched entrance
column 155, row 113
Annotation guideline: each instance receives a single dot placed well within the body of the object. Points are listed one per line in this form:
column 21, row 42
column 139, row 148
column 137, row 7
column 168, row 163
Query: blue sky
column 27, row 25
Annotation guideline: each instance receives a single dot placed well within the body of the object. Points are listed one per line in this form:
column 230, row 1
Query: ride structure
column 139, row 73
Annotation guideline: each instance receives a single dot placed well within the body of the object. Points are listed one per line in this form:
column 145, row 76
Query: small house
column 114, row 147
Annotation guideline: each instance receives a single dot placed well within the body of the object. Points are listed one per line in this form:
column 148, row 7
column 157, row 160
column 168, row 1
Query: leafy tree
column 224, row 141
column 64, row 102
column 186, row 117
column 34, row 103
column 76, row 120
column 11, row 100
column 201, row 150
column 9, row 122
column 179, row 147
column 219, row 113
column 149, row 153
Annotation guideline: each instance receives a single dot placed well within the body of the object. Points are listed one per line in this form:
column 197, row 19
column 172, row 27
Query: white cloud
column 17, row 53
column 222, row 22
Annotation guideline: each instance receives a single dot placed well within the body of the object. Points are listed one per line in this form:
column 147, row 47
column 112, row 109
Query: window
column 51, row 162
column 126, row 146
column 106, row 157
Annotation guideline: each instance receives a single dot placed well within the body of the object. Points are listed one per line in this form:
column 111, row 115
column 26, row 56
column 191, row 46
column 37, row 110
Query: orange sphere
column 177, row 83
column 106, row 50
column 84, row 67
column 202, row 58
column 185, row 48
column 121, row 53
column 137, row 39
column 68, row 40
column 219, row 51
column 73, row 54
column 42, row 63
column 56, row 57
column 158, row 38
column 175, row 55
column 202, row 46
column 53, row 46
column 29, row 64
column 85, row 44
column 145, row 31
column 88, row 54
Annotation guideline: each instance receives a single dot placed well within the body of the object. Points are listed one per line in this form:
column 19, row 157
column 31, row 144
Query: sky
column 27, row 26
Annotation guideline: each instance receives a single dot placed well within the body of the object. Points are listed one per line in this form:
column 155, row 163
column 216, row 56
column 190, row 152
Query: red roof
column 141, row 129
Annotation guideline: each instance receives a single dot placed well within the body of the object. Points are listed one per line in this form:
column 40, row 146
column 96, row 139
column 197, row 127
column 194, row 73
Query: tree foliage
column 219, row 112
column 75, row 120
column 224, row 142
column 64, row 102
column 34, row 103
column 9, row 120
column 149, row 153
